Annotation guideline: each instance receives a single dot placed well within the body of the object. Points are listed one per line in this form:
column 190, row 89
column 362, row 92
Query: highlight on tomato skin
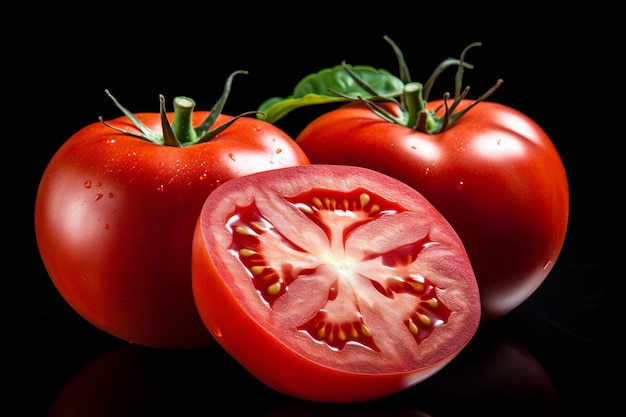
column 332, row 283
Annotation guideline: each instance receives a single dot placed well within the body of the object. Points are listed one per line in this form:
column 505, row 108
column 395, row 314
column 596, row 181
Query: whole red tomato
column 332, row 283
column 115, row 213
column 495, row 175
column 491, row 170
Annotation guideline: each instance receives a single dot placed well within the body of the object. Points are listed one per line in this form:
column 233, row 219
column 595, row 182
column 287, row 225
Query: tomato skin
column 115, row 215
column 267, row 336
column 494, row 174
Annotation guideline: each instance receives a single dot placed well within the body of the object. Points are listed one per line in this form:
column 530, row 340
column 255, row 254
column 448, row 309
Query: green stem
column 181, row 132
column 182, row 125
column 413, row 101
column 419, row 118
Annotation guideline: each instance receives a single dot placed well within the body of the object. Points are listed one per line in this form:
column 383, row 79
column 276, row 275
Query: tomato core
column 337, row 214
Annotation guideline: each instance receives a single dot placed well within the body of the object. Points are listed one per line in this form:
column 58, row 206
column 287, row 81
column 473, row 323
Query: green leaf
column 317, row 89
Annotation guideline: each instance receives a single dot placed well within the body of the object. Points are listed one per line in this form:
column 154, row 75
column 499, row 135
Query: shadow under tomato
column 134, row 380
column 366, row 409
column 493, row 376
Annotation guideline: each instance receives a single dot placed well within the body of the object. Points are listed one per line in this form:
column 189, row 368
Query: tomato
column 495, row 175
column 491, row 170
column 115, row 214
column 332, row 283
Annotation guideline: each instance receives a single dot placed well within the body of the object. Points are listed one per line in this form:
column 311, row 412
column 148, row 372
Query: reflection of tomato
column 494, row 174
column 115, row 216
column 366, row 409
column 107, row 386
column 133, row 380
column 493, row 376
column 332, row 283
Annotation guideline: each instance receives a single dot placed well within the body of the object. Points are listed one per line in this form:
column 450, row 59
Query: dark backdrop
column 554, row 70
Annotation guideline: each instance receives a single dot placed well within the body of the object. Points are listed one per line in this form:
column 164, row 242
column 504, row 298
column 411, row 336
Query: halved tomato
column 332, row 283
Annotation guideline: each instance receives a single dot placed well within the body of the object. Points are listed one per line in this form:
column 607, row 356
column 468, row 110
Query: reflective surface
column 555, row 355
column 546, row 358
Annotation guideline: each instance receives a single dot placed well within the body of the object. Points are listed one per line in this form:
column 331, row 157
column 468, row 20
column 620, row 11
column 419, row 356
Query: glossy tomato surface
column 332, row 283
column 494, row 174
column 115, row 216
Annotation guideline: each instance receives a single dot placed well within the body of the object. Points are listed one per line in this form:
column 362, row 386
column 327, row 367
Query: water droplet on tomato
column 160, row 188
column 217, row 332
column 99, row 196
column 547, row 264
column 110, row 195
column 107, row 226
column 278, row 150
column 231, row 156
column 460, row 185
column 88, row 184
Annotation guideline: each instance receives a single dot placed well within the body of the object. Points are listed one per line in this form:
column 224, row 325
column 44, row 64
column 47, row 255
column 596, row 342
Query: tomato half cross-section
column 117, row 206
column 332, row 283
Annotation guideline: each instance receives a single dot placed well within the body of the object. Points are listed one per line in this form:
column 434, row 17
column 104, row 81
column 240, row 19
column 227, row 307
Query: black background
column 554, row 69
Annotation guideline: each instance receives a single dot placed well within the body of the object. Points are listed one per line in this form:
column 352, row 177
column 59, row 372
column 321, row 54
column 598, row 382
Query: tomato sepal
column 322, row 88
column 366, row 85
column 181, row 131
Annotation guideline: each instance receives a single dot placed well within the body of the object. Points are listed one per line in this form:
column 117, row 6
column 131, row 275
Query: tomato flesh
column 332, row 283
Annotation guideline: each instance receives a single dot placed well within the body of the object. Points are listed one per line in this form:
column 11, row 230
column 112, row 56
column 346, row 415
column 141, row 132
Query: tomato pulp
column 332, row 283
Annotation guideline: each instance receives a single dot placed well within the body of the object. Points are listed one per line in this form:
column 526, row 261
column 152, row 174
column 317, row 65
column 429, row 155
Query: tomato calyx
column 415, row 95
column 347, row 83
column 181, row 132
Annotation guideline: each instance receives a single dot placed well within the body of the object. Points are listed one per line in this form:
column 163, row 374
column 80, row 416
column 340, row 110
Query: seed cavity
column 337, row 335
column 338, row 214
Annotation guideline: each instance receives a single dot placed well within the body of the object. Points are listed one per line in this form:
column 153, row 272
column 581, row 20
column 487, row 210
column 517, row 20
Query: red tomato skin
column 279, row 367
column 115, row 215
column 224, row 306
column 495, row 175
